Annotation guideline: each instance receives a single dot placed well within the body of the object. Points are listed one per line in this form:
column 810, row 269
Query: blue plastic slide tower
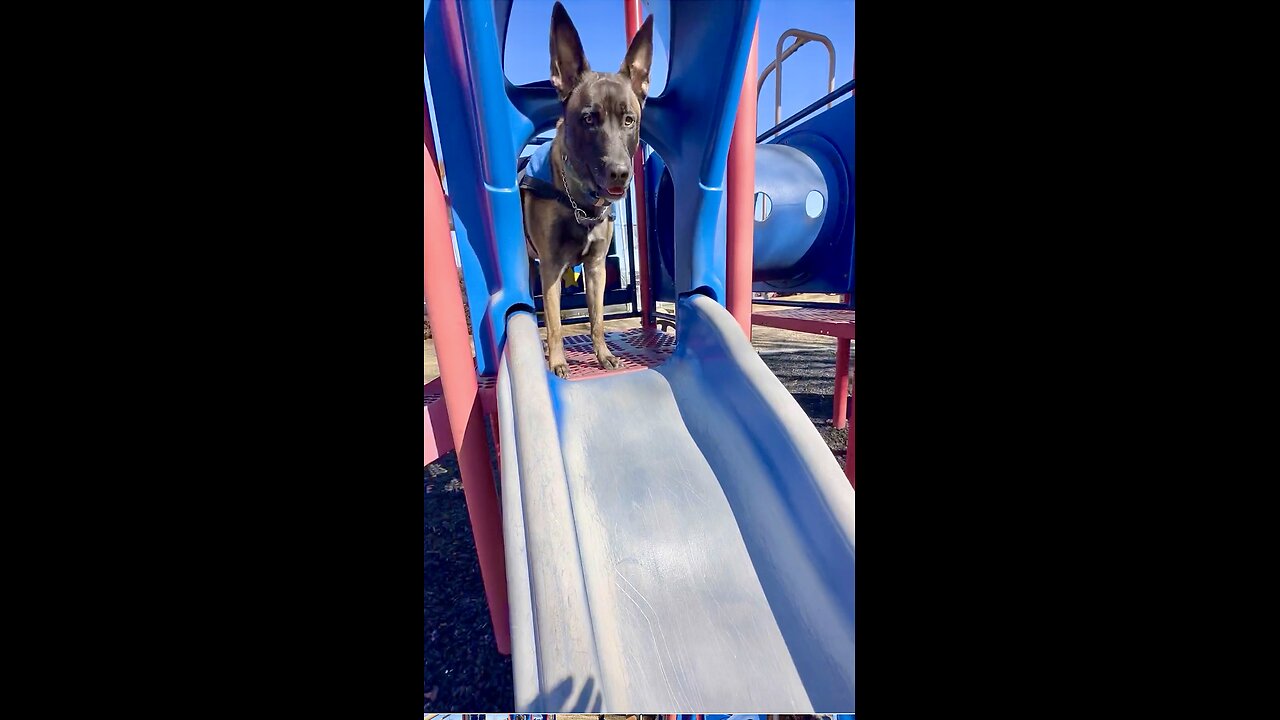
column 677, row 537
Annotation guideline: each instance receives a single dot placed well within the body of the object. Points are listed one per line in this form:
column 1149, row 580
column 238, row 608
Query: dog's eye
column 588, row 119
column 628, row 121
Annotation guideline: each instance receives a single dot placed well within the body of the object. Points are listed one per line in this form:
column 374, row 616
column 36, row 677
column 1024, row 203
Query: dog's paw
column 608, row 362
column 561, row 370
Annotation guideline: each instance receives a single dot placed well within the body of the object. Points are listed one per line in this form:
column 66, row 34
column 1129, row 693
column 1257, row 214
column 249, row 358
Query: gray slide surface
column 678, row 538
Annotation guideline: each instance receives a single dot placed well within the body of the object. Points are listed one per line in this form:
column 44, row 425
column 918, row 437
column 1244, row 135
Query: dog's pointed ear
column 568, row 61
column 639, row 57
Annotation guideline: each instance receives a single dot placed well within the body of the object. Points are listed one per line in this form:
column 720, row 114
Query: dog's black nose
column 619, row 175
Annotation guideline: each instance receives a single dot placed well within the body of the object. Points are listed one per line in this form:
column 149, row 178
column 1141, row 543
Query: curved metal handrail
column 803, row 37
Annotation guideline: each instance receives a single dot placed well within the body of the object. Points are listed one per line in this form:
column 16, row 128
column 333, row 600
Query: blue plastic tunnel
column 805, row 208
column 790, row 207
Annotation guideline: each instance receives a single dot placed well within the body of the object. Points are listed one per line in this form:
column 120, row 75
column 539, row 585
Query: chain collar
column 578, row 213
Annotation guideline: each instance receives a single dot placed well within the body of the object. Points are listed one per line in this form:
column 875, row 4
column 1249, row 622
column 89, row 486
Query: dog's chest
column 578, row 241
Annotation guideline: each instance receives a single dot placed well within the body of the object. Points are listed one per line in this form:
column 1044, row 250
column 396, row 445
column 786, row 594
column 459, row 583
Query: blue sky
column 600, row 24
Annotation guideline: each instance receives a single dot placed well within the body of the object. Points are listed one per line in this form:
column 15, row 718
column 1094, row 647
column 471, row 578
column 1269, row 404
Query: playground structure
column 803, row 213
column 626, row 562
column 818, row 151
column 553, row 716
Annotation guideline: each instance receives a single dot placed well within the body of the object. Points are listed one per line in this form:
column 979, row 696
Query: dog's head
column 601, row 119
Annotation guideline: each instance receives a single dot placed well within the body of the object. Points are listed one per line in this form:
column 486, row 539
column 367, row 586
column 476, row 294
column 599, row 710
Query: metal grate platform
column 637, row 349
column 819, row 321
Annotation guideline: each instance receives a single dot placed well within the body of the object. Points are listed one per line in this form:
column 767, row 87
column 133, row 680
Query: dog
column 567, row 190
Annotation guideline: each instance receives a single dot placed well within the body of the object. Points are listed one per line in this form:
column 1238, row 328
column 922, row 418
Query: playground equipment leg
column 841, row 399
column 631, row 12
column 462, row 400
column 741, row 183
column 496, row 434
column 848, row 455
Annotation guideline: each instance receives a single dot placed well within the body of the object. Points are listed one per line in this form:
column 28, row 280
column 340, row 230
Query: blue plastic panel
column 478, row 135
column 827, row 137
column 790, row 253
column 660, row 229
column 484, row 120
column 690, row 123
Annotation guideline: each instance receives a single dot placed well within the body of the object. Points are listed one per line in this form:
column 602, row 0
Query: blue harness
column 534, row 174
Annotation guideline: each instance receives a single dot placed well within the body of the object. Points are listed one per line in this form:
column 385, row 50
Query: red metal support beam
column 462, row 399
column 840, row 403
column 631, row 12
column 816, row 321
column 741, row 190
column 848, row 455
column 436, row 439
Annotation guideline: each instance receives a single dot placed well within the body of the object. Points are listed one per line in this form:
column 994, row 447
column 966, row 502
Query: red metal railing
column 740, row 189
column 631, row 12
column 462, row 398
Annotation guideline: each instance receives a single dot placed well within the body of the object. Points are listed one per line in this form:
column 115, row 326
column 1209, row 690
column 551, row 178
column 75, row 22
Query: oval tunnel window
column 764, row 206
column 813, row 204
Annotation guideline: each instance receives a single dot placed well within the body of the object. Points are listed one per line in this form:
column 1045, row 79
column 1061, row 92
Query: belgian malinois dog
column 567, row 216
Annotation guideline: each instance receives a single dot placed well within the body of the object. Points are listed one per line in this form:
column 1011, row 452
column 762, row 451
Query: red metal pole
column 840, row 401
column 631, row 12
column 462, row 399
column 848, row 455
column 741, row 190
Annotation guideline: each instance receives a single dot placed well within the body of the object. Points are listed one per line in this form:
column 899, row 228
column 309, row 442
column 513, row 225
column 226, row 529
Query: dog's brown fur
column 598, row 133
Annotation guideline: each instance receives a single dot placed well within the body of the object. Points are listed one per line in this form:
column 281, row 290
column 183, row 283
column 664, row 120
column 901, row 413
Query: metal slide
column 676, row 538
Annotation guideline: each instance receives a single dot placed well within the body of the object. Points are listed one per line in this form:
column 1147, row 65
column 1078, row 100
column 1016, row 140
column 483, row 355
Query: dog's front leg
column 551, row 274
column 594, row 271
